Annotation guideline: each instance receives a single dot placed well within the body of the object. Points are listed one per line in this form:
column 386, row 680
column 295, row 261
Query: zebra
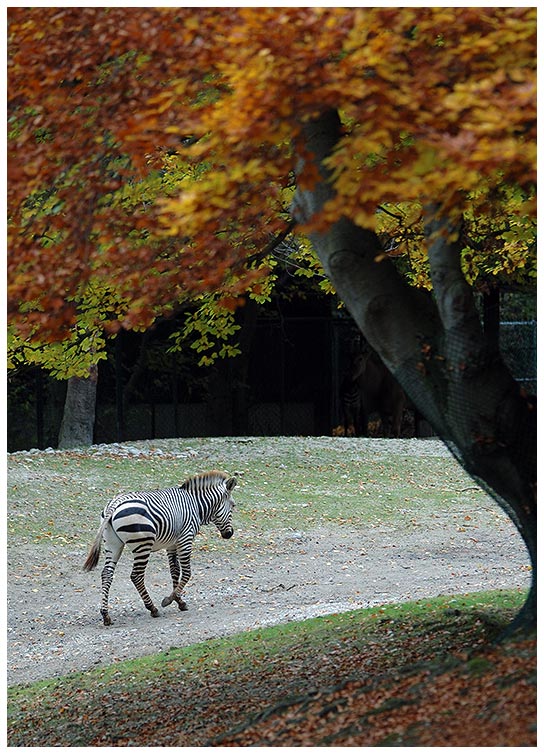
column 166, row 519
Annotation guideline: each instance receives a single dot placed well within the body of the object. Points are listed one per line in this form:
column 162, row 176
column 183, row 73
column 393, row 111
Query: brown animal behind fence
column 369, row 388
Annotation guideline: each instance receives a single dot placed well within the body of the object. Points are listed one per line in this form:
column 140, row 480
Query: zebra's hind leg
column 113, row 550
column 137, row 577
column 173, row 562
column 107, row 577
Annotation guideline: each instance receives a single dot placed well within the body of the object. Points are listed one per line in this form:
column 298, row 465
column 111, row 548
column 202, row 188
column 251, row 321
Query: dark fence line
column 287, row 384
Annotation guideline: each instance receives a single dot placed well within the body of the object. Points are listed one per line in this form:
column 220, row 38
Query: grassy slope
column 422, row 673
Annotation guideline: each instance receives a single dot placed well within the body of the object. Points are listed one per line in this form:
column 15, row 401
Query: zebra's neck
column 204, row 511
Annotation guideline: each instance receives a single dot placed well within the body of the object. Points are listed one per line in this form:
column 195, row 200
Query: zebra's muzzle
column 227, row 533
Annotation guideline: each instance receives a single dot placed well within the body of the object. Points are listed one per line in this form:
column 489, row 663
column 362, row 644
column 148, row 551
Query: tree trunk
column 77, row 426
column 434, row 346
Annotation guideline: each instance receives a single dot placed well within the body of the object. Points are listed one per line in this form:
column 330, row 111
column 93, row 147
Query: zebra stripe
column 167, row 519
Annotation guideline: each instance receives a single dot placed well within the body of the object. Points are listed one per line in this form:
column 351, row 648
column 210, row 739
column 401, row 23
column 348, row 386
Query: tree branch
column 453, row 295
column 271, row 245
column 393, row 317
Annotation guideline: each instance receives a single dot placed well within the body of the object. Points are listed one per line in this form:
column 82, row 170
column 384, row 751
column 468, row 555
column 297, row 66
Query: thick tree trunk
column 77, row 426
column 434, row 346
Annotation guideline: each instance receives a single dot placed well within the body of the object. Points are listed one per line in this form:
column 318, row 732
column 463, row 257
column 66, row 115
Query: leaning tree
column 323, row 117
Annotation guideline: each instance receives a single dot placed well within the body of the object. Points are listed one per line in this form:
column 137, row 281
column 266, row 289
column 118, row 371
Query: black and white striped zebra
column 167, row 519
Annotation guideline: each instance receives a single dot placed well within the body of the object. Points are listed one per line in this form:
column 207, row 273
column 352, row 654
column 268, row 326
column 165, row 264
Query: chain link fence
column 517, row 341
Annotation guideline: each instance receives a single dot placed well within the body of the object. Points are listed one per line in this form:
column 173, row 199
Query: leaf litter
column 429, row 674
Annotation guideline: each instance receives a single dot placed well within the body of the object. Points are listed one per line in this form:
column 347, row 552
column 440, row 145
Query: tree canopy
column 155, row 148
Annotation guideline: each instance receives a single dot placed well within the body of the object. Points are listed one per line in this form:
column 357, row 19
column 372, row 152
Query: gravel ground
column 54, row 626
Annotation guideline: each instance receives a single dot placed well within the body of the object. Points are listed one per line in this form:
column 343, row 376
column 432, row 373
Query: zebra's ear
column 231, row 483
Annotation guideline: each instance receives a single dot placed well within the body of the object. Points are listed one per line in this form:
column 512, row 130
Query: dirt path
column 54, row 626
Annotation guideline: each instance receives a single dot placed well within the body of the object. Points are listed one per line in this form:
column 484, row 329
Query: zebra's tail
column 94, row 553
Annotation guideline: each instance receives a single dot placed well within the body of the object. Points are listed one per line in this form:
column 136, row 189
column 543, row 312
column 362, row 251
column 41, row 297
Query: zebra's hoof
column 106, row 618
column 154, row 612
column 181, row 604
column 167, row 601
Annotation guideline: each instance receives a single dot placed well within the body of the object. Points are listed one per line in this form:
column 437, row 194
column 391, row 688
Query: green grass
column 53, row 706
column 284, row 483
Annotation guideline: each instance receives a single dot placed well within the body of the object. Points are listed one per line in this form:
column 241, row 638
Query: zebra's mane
column 201, row 481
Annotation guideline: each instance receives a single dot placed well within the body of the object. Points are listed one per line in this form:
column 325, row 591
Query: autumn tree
column 333, row 115
column 98, row 305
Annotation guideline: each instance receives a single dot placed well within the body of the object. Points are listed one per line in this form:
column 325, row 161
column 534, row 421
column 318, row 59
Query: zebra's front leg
column 180, row 557
column 137, row 577
column 173, row 562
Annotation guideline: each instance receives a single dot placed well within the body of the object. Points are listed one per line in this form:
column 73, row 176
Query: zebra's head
column 222, row 516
